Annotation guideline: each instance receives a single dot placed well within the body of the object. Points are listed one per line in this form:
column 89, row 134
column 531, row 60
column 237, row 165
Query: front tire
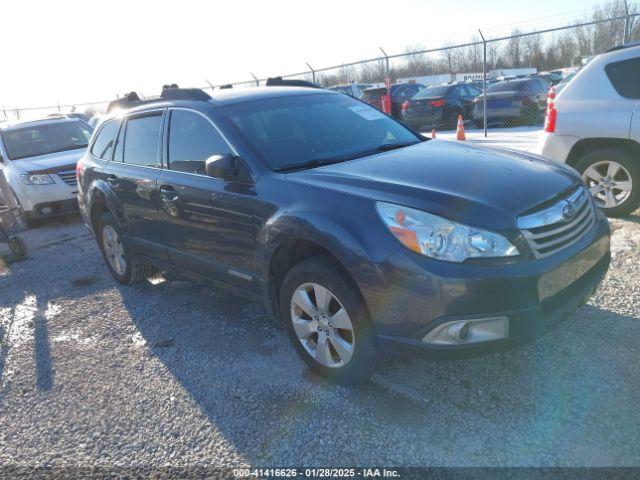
column 613, row 178
column 116, row 254
column 327, row 322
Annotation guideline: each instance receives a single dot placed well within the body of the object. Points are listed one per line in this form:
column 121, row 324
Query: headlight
column 36, row 179
column 442, row 239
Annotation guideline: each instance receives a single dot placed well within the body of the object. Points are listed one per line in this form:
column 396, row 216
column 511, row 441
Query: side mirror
column 221, row 166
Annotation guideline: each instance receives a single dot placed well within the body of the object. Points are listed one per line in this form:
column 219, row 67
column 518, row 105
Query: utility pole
column 484, row 82
column 627, row 23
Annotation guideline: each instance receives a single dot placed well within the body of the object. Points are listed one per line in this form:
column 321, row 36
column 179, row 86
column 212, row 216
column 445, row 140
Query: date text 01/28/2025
column 315, row 473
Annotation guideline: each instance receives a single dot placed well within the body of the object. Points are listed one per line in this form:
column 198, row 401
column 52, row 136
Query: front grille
column 560, row 225
column 69, row 177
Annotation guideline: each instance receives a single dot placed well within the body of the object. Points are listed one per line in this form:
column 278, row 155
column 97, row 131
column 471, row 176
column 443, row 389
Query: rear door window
column 142, row 140
column 192, row 140
column 103, row 144
column 624, row 76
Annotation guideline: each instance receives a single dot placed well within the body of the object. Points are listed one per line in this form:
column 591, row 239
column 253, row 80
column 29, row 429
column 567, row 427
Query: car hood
column 51, row 163
column 480, row 186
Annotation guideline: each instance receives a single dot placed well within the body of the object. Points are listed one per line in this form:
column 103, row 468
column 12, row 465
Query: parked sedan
column 439, row 106
column 399, row 94
column 513, row 102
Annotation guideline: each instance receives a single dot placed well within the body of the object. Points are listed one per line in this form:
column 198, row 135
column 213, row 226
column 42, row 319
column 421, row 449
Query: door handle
column 113, row 181
column 168, row 194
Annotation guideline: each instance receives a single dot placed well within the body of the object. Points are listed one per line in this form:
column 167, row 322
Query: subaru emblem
column 568, row 211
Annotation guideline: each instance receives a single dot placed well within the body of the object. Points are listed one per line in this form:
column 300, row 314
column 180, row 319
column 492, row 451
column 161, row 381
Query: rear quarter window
column 103, row 144
column 625, row 77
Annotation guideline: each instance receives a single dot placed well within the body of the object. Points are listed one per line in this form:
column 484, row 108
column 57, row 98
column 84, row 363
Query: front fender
column 359, row 259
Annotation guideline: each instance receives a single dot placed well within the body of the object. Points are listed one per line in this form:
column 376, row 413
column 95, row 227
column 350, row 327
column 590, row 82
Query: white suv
column 39, row 160
column 594, row 126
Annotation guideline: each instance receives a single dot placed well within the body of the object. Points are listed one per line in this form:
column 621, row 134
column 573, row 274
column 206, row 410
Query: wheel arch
column 586, row 145
column 291, row 239
column 100, row 200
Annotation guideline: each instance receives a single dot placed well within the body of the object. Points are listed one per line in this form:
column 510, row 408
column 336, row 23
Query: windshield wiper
column 313, row 163
column 385, row 147
column 320, row 162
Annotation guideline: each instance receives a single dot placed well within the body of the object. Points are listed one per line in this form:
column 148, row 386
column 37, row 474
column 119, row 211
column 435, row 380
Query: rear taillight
column 550, row 118
column 437, row 103
column 406, row 105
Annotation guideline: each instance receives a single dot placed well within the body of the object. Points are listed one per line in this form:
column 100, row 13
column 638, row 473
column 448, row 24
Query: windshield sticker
column 367, row 112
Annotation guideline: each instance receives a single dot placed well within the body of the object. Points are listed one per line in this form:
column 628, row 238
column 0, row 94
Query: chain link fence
column 491, row 81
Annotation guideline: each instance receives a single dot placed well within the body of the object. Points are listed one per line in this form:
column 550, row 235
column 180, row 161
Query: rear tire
column 116, row 254
column 598, row 165
column 336, row 338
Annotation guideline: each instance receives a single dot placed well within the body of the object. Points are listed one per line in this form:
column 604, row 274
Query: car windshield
column 432, row 92
column 310, row 130
column 33, row 141
column 510, row 86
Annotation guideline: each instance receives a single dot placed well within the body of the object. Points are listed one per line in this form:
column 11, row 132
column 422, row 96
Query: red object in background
column 406, row 105
column 437, row 103
column 550, row 118
column 552, row 94
column 385, row 101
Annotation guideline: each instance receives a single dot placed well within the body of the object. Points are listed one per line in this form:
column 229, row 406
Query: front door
column 209, row 222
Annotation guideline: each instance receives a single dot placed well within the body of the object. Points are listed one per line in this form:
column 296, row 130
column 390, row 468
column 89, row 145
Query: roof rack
column 173, row 92
column 129, row 100
column 169, row 92
column 280, row 82
column 622, row 47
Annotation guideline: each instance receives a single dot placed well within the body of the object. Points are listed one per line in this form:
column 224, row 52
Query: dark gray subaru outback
column 360, row 235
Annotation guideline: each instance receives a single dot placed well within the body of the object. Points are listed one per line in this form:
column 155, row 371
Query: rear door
column 133, row 174
column 209, row 222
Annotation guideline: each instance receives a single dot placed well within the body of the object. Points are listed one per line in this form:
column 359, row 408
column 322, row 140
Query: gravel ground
column 93, row 373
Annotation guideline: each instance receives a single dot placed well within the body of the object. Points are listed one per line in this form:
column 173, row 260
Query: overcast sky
column 76, row 51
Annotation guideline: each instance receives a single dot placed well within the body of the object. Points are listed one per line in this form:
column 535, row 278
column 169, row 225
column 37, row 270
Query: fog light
column 471, row 330
column 46, row 210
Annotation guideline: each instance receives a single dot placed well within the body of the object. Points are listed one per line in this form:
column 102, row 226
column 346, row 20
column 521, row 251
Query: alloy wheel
column 322, row 325
column 609, row 182
column 114, row 250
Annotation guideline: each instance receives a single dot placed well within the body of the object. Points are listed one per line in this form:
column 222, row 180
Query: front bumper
column 53, row 209
column 418, row 294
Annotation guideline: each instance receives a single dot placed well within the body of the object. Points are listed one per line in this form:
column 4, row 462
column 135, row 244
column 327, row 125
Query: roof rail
column 280, row 82
column 129, row 100
column 173, row 92
column 623, row 46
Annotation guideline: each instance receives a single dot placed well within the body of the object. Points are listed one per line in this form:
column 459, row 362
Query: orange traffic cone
column 460, row 129
column 433, row 133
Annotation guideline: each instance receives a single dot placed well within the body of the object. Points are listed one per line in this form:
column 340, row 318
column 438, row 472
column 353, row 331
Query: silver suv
column 594, row 126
